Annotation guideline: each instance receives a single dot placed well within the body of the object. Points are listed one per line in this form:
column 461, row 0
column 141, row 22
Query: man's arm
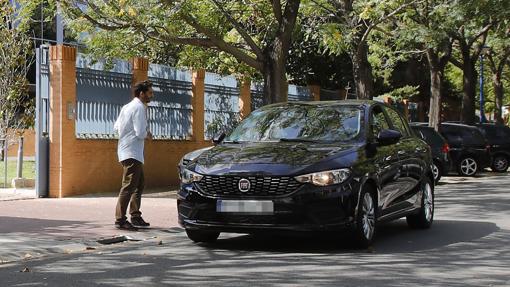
column 140, row 123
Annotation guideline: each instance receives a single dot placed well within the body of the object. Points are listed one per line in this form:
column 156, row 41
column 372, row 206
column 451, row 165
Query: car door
column 386, row 161
column 410, row 151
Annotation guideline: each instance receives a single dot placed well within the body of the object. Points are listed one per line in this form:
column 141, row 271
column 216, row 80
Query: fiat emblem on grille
column 244, row 185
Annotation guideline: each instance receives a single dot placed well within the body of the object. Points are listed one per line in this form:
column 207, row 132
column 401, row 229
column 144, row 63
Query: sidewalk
column 16, row 194
column 39, row 227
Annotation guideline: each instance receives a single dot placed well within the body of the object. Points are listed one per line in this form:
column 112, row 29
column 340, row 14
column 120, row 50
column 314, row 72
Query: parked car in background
column 439, row 147
column 309, row 166
column 498, row 137
column 469, row 150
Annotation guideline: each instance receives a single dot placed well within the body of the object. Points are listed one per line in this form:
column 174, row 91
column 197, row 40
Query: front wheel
column 425, row 216
column 467, row 166
column 366, row 219
column 202, row 235
column 437, row 172
column 500, row 163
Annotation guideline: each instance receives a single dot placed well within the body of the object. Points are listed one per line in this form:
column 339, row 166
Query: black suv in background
column 469, row 149
column 439, row 146
column 309, row 166
column 498, row 137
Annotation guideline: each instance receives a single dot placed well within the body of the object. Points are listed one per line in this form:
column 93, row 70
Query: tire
column 437, row 171
column 202, row 235
column 366, row 219
column 467, row 166
column 500, row 163
column 425, row 216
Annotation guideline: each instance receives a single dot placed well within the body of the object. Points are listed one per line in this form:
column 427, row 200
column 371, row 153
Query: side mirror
column 219, row 138
column 388, row 137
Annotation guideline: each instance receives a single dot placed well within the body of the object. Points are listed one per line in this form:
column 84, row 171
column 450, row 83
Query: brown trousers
column 131, row 191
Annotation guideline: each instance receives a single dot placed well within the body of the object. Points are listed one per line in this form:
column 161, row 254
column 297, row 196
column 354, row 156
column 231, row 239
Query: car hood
column 270, row 158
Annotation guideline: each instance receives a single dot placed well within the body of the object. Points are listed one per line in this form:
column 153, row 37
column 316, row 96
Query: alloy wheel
column 435, row 171
column 501, row 163
column 428, row 201
column 368, row 219
column 468, row 166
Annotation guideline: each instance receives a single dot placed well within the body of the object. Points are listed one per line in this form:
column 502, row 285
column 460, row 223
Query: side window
column 379, row 122
column 453, row 137
column 398, row 122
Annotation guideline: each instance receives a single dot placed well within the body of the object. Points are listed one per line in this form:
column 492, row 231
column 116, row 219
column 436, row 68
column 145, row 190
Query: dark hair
column 142, row 86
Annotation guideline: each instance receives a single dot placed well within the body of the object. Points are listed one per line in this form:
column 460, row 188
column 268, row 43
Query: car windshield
column 300, row 123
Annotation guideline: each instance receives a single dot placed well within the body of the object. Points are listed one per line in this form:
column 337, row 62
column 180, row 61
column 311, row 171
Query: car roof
column 423, row 127
column 491, row 125
column 419, row 124
column 360, row 103
column 457, row 125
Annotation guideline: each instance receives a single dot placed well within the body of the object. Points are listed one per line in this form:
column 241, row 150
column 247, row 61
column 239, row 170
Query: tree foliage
column 246, row 36
column 16, row 54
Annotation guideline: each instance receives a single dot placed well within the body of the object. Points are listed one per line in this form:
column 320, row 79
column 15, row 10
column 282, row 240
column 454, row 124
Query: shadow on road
column 394, row 237
column 21, row 224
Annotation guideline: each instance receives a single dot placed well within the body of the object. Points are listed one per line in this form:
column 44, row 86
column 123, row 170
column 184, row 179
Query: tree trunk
column 275, row 79
column 362, row 71
column 468, row 99
column 435, row 98
column 498, row 91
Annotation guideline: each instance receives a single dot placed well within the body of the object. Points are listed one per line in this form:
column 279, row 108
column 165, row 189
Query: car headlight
column 324, row 178
column 188, row 176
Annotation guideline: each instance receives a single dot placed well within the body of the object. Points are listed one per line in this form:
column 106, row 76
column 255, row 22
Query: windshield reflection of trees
column 267, row 152
column 326, row 123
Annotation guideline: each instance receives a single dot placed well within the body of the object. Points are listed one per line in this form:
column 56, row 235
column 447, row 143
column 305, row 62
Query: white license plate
column 245, row 206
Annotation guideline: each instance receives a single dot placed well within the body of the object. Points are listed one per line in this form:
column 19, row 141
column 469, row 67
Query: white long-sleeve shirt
column 131, row 126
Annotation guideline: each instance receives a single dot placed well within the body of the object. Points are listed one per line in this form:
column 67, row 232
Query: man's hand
column 149, row 135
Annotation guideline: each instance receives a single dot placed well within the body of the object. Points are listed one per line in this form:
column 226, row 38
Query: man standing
column 131, row 127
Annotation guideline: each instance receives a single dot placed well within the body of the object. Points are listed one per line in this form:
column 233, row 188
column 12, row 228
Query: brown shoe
column 125, row 225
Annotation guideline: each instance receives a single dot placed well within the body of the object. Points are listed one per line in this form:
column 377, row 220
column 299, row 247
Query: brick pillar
column 245, row 99
column 198, row 113
column 315, row 90
column 62, row 118
column 343, row 94
column 140, row 70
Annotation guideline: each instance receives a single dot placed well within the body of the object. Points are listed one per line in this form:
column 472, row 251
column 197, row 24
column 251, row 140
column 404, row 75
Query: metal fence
column 295, row 93
column 170, row 111
column 103, row 88
column 257, row 95
column 101, row 94
column 221, row 104
column 299, row 93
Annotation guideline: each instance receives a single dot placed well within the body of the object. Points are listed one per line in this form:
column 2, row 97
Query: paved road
column 469, row 245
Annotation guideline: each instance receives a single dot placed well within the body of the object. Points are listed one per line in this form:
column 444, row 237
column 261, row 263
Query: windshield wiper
column 232, row 142
column 298, row 140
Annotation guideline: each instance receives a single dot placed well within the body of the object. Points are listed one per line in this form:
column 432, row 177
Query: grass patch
column 28, row 171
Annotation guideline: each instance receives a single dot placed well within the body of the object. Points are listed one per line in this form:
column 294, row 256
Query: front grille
column 260, row 185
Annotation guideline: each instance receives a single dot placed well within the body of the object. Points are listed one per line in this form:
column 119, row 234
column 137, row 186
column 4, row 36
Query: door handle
column 401, row 152
column 419, row 149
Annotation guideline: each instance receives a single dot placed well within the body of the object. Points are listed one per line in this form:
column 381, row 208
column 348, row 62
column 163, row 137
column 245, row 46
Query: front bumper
column 309, row 208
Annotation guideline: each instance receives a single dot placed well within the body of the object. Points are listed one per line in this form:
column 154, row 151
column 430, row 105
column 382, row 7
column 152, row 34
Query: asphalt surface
column 468, row 245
